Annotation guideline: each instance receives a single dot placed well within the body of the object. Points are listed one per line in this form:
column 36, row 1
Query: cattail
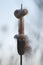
column 23, row 45
column 22, row 40
column 19, row 14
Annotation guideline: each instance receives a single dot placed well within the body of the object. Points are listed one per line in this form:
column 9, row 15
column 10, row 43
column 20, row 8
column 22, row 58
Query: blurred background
column 33, row 29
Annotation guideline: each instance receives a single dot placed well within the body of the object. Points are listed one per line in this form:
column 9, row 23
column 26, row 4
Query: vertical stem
column 21, row 7
column 20, row 59
column 21, row 26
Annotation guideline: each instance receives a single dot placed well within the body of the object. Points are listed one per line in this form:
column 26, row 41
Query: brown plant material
column 19, row 14
column 22, row 40
column 25, row 48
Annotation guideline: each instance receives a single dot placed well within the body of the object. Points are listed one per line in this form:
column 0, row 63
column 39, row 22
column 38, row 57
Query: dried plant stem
column 20, row 59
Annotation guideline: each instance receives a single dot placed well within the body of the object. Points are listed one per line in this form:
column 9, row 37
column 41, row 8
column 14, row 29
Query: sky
column 33, row 22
